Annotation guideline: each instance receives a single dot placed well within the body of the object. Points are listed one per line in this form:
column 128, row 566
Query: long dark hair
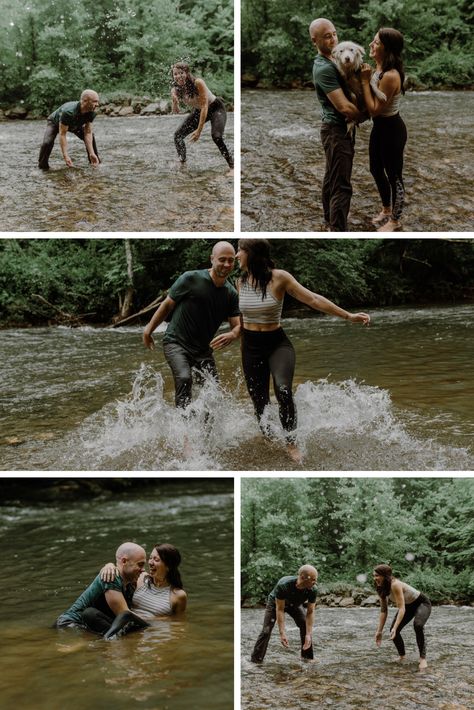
column 189, row 86
column 259, row 263
column 392, row 41
column 384, row 571
column 170, row 555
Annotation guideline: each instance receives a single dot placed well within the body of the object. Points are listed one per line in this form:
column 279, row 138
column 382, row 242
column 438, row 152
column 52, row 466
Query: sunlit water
column 138, row 187
column 52, row 552
column 351, row 673
column 396, row 396
column 283, row 163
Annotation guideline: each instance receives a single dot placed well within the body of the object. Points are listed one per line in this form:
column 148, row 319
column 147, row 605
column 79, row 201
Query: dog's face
column 348, row 56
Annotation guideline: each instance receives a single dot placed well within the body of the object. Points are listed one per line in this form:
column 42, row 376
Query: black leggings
column 419, row 611
column 112, row 627
column 265, row 354
column 217, row 115
column 387, row 142
column 52, row 130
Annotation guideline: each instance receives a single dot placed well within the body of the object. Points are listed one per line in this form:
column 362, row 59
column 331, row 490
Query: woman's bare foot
column 382, row 216
column 294, row 453
column 422, row 664
column 390, row 226
column 400, row 659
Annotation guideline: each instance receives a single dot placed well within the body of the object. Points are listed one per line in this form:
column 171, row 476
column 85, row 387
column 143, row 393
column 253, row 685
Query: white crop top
column 392, row 107
column 151, row 601
column 409, row 593
column 256, row 310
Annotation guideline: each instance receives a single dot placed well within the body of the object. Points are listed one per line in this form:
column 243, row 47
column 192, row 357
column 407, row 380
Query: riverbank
column 363, row 598
column 122, row 107
column 412, row 85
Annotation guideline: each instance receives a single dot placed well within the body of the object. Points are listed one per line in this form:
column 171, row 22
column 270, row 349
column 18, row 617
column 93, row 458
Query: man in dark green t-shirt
column 102, row 603
column 74, row 116
column 199, row 302
column 289, row 595
column 337, row 142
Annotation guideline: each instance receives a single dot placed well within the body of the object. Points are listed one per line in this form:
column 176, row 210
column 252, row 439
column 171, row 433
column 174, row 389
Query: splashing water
column 341, row 426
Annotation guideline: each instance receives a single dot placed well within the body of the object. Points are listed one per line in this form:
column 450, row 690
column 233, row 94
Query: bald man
column 198, row 301
column 104, row 606
column 288, row 596
column 338, row 144
column 74, row 116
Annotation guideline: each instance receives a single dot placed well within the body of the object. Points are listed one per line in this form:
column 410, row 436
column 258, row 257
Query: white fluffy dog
column 348, row 58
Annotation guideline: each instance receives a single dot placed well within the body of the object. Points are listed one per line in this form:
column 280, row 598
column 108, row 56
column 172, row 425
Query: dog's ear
column 361, row 49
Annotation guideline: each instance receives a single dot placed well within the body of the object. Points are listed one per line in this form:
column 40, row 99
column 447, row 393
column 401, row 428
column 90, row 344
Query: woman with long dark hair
column 266, row 350
column 411, row 604
column 389, row 133
column 205, row 107
column 160, row 591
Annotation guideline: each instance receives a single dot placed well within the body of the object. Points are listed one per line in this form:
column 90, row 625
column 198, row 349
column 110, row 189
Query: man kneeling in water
column 104, row 606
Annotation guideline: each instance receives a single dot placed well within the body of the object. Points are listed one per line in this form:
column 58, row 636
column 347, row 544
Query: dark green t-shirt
column 94, row 596
column 326, row 78
column 201, row 307
column 286, row 589
column 70, row 115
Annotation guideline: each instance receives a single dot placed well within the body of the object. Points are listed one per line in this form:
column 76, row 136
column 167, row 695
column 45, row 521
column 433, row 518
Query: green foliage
column 438, row 36
column 423, row 528
column 51, row 51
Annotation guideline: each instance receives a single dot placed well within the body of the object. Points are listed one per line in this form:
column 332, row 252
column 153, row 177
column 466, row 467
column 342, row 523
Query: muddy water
column 138, row 187
column 53, row 551
column 351, row 673
column 396, row 396
column 283, row 163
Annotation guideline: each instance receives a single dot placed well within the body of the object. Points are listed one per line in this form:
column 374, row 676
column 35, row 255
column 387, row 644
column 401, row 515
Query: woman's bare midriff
column 261, row 327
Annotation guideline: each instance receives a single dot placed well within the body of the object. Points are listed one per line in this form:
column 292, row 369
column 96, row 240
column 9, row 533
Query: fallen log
column 152, row 306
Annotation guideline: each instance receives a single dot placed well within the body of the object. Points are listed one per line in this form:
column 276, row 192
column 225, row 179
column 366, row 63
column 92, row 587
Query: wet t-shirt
column 200, row 308
column 94, row 596
column 286, row 589
column 326, row 78
column 70, row 115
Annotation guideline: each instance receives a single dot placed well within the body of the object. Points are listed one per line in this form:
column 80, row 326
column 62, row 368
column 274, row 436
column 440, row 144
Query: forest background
column 439, row 38
column 423, row 528
column 53, row 49
column 103, row 279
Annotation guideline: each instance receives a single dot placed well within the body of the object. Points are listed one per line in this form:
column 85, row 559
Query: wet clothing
column 70, row 115
column 294, row 599
column 255, row 309
column 338, row 145
column 386, row 146
column 94, row 597
column 150, row 601
column 419, row 610
column 109, row 626
column 265, row 354
column 217, row 116
column 200, row 308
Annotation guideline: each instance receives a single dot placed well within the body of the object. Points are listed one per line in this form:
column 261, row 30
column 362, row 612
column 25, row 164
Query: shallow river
column 283, row 164
column 53, row 551
column 396, row 396
column 351, row 673
column 138, row 187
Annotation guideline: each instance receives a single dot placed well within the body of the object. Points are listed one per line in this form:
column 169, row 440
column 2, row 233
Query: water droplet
column 410, row 556
column 362, row 578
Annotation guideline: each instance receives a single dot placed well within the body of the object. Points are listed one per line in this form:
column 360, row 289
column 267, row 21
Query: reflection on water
column 351, row 673
column 283, row 163
column 395, row 396
column 53, row 552
column 138, row 187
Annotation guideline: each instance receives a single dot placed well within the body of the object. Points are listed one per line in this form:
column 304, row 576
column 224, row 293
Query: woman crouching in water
column 266, row 350
column 411, row 604
column 205, row 107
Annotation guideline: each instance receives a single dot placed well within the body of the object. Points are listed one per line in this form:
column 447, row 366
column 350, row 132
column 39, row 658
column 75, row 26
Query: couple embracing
column 381, row 94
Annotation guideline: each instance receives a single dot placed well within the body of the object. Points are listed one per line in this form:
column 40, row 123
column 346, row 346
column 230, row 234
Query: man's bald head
column 222, row 247
column 128, row 549
column 131, row 560
column 323, row 35
column 89, row 100
column 222, row 260
column 307, row 576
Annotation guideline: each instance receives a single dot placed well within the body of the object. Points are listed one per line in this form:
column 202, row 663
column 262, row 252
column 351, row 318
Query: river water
column 53, row 551
column 351, row 673
column 396, row 396
column 283, row 164
column 138, row 187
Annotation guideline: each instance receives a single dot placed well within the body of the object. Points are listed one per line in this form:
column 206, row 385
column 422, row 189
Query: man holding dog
column 338, row 142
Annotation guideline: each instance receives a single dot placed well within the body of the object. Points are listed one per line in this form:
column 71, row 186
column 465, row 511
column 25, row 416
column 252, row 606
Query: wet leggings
column 217, row 115
column 49, row 137
column 265, row 354
column 298, row 615
column 419, row 611
column 110, row 627
column 387, row 142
